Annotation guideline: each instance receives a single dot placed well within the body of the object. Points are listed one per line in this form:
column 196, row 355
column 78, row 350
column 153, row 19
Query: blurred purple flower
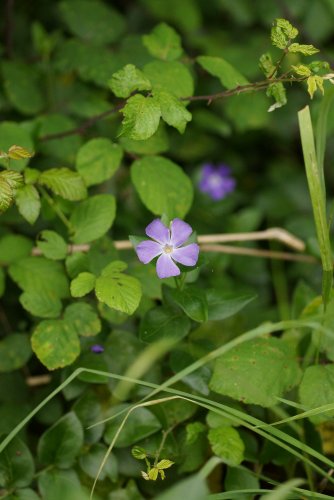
column 167, row 244
column 217, row 182
column 97, row 348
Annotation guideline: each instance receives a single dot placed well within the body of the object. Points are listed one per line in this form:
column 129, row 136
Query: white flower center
column 215, row 180
column 168, row 249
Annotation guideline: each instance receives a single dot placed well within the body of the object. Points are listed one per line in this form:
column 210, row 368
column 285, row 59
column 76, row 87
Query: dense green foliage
column 108, row 111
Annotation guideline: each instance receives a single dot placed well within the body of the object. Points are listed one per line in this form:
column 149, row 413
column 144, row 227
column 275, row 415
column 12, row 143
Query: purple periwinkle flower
column 167, row 244
column 217, row 182
column 97, row 348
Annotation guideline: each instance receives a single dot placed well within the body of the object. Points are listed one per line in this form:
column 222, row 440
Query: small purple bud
column 216, row 181
column 97, row 348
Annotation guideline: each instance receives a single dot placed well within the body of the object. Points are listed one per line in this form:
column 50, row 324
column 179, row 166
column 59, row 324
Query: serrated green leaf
column 266, row 64
column 141, row 117
column 157, row 143
column 173, row 111
column 278, row 38
column 227, row 444
column 97, row 160
column 64, row 182
column 16, row 465
column 82, row 284
column 15, row 351
column 302, row 70
column 162, row 185
column 44, row 304
column 28, row 203
column 14, row 133
column 138, row 453
column 19, row 153
column 55, row 342
column 170, row 76
column 317, row 389
column 52, row 245
column 163, row 42
column 229, row 76
column 164, row 464
column 118, row 290
column 306, row 50
column 6, row 195
column 314, row 82
column 83, row 318
column 256, row 372
column 92, row 20
column 92, row 218
column 14, row 247
column 22, row 86
column 277, row 91
column 13, row 178
column 61, row 443
column 290, row 31
column 282, row 32
column 127, row 80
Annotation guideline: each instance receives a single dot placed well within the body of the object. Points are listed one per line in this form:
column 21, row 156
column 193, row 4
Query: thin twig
column 253, row 252
column 37, row 380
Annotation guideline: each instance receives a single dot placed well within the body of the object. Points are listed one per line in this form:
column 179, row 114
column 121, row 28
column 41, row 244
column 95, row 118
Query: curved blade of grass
column 321, row 130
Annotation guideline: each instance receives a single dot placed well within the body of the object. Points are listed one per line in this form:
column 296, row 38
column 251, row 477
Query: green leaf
column 82, row 284
column 128, row 79
column 141, row 117
column 277, row 91
column 173, row 111
column 64, row 182
column 91, row 461
column 24, row 494
column 257, row 372
column 98, row 160
column 306, row 50
column 93, row 218
column 55, row 342
column 92, row 20
column 83, row 318
column 28, row 203
column 14, row 133
column 302, row 70
column 237, row 479
column 16, row 465
column 317, row 389
column 52, row 245
column 22, row 86
column 118, row 290
column 191, row 300
column 14, row 247
column 163, row 323
column 61, row 443
column 6, row 195
column 13, row 178
column 282, row 32
column 222, row 305
column 64, row 148
column 170, row 76
column 15, row 351
column 162, row 186
column 2, row 281
column 157, row 143
column 40, row 275
column 42, row 304
column 315, row 82
column 193, row 487
column 140, row 424
column 229, row 76
column 55, row 484
column 290, row 31
column 163, row 42
column 266, row 65
column 227, row 444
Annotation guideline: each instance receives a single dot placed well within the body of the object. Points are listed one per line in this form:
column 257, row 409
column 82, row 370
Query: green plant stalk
column 321, row 131
column 56, row 209
column 317, row 193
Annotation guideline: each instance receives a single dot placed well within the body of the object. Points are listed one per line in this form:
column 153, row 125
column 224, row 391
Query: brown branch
column 9, row 27
column 254, row 252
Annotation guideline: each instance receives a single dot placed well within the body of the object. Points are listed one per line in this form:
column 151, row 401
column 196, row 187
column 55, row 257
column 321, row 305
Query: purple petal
column 147, row 250
column 97, row 348
column 180, row 232
column 158, row 231
column 187, row 255
column 166, row 267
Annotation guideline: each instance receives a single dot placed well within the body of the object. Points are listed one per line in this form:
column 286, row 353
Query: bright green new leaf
column 22, row 86
column 97, row 160
column 55, row 342
column 14, row 133
column 266, row 65
column 64, row 182
column 92, row 20
column 16, row 465
column 141, row 117
column 315, row 82
column 52, row 245
column 163, row 323
column 170, row 76
column 256, row 372
column 28, row 203
column 162, row 186
column 290, row 31
column 173, row 111
column 82, row 284
column 83, row 318
column 128, row 79
column 44, row 304
column 118, row 290
column 227, row 444
column 6, row 195
column 306, row 50
column 13, row 178
column 61, row 443
column 15, row 351
column 317, row 389
column 92, row 218
column 302, row 70
column 14, row 247
column 282, row 33
column 163, row 42
column 277, row 91
column 229, row 76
